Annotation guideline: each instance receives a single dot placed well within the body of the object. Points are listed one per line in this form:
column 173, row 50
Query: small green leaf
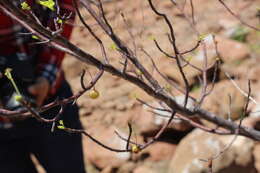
column 133, row 95
column 47, row 3
column 113, row 46
column 139, row 72
column 168, row 87
column 25, row 6
column 240, row 33
column 8, row 73
column 61, row 122
column 195, row 88
column 60, row 21
column 202, row 37
column 35, row 37
column 9, row 76
column 188, row 58
column 61, row 127
column 151, row 37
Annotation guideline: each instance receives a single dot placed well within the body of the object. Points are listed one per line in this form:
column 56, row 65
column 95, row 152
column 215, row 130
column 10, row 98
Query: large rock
column 152, row 167
column 252, row 122
column 160, row 151
column 218, row 101
column 201, row 145
column 152, row 121
column 242, row 69
column 127, row 167
column 143, row 169
column 229, row 50
column 101, row 157
column 257, row 156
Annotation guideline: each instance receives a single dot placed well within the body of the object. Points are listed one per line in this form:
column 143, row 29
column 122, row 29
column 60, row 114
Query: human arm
column 50, row 59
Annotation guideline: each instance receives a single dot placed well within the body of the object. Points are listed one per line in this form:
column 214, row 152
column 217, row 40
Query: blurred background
column 181, row 147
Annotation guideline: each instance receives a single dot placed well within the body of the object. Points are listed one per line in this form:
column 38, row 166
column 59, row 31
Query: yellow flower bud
column 25, row 6
column 139, row 72
column 135, row 149
column 18, row 98
column 47, row 3
column 93, row 94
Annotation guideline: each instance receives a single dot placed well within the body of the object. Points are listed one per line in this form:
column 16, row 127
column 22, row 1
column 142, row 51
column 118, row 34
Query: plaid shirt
column 48, row 60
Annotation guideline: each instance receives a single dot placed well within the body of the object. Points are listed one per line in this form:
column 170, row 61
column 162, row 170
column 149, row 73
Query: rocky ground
column 180, row 149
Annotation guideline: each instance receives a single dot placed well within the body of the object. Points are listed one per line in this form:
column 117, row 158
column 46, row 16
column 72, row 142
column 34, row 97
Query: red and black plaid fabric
column 13, row 40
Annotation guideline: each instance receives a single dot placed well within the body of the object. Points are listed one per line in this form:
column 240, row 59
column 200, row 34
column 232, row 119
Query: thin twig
column 239, row 89
column 238, row 17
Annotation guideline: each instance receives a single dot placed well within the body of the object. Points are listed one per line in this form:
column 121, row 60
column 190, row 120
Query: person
column 56, row 151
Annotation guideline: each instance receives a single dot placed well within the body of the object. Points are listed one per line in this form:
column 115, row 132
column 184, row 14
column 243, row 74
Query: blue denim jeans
column 56, row 151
